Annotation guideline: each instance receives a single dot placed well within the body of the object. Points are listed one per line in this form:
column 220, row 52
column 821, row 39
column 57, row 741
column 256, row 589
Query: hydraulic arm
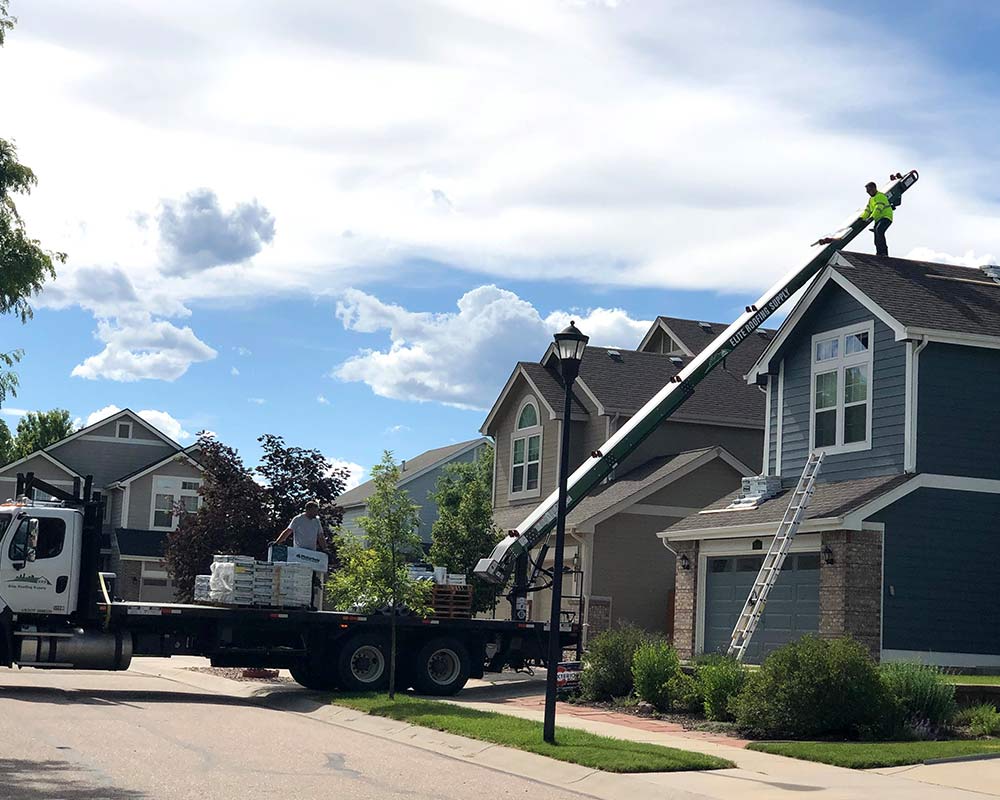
column 499, row 566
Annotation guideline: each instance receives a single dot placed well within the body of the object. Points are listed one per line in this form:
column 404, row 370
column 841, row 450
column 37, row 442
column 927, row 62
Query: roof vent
column 705, row 326
column 761, row 333
column 614, row 355
column 676, row 360
column 991, row 271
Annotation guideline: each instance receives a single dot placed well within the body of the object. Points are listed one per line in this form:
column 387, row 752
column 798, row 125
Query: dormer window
column 526, row 452
column 124, row 430
column 841, row 402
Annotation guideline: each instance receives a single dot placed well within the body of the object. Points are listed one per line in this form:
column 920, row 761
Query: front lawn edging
column 874, row 755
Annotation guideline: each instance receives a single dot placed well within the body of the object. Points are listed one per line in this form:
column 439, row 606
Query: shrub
column 815, row 687
column 607, row 664
column 923, row 696
column 720, row 679
column 685, row 692
column 982, row 720
column 655, row 668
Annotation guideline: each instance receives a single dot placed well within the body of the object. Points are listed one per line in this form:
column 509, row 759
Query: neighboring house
column 618, row 570
column 144, row 476
column 892, row 368
column 419, row 476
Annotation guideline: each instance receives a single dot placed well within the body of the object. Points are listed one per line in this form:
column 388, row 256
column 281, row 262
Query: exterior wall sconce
column 827, row 554
column 684, row 561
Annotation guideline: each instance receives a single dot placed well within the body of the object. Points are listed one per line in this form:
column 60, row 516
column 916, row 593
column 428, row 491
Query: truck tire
column 363, row 663
column 441, row 667
column 314, row 676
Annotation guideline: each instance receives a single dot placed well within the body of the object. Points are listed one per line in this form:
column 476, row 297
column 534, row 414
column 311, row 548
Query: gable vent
column 614, row 355
column 705, row 326
column 991, row 271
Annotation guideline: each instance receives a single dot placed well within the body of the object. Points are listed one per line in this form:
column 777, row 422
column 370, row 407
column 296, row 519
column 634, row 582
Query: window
column 51, row 538
column 173, row 497
column 526, row 453
column 841, row 389
column 124, row 430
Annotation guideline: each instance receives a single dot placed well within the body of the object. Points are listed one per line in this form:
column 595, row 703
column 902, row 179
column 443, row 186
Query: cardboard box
column 314, row 559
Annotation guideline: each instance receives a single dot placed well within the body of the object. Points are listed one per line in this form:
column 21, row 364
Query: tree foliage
column 24, row 264
column 6, row 444
column 36, row 430
column 237, row 514
column 373, row 573
column 464, row 531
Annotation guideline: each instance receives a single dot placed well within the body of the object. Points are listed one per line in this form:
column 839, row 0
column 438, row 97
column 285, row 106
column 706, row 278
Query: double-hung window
column 526, row 453
column 841, row 402
column 171, row 498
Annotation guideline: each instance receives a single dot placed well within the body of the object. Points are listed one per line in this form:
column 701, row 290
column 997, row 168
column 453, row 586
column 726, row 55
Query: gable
column 44, row 467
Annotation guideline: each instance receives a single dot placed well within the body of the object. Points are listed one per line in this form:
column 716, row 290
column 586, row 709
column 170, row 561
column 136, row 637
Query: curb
column 959, row 759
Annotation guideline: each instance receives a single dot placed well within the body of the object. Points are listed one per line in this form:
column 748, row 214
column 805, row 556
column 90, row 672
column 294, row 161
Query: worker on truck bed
column 306, row 530
column 879, row 210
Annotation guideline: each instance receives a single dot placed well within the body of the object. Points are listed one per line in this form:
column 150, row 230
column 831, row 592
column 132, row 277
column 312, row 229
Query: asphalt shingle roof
column 829, row 500
column 923, row 294
column 550, row 385
column 696, row 338
column 360, row 494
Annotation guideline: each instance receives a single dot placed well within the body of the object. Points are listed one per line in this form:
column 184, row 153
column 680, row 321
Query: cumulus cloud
column 13, row 412
column 356, row 472
column 396, row 429
column 197, row 234
column 161, row 420
column 969, row 259
column 141, row 348
column 461, row 358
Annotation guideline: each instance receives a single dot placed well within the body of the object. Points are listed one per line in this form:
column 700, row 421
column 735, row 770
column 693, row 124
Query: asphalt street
column 111, row 736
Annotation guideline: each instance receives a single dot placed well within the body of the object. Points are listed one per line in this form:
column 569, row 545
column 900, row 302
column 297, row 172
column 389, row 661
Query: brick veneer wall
column 685, row 599
column 850, row 588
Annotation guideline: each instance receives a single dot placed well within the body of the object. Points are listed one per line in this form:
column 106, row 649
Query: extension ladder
column 753, row 609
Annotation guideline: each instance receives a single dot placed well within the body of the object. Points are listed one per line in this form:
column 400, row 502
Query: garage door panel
column 792, row 606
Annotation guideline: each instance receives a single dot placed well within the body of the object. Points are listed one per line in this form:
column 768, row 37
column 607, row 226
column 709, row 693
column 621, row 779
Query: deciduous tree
column 36, row 430
column 373, row 573
column 464, row 531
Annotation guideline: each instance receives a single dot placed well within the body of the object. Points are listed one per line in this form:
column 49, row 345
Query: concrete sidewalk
column 757, row 776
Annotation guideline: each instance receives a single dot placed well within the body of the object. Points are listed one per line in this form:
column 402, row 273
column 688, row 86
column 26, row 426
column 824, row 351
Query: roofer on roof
column 880, row 211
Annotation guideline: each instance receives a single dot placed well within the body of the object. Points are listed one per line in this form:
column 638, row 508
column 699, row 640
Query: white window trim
column 173, row 484
column 118, row 426
column 525, row 433
column 839, row 364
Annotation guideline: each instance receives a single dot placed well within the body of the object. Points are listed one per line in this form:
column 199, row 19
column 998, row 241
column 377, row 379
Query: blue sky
column 346, row 232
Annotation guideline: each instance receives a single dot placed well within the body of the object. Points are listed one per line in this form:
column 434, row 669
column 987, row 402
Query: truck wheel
column 315, row 677
column 442, row 667
column 363, row 664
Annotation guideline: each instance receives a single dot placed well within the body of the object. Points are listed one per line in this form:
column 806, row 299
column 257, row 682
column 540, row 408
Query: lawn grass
column 574, row 746
column 974, row 680
column 868, row 755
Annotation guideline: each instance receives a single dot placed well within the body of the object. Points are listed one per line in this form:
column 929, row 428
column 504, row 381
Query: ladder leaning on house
column 753, row 609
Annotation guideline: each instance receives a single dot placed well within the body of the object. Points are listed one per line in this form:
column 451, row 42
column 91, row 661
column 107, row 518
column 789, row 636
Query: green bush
column 812, row 688
column 607, row 664
column 982, row 720
column 655, row 668
column 720, row 679
column 923, row 696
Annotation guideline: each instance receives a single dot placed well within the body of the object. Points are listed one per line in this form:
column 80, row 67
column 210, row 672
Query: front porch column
column 685, row 599
column 850, row 588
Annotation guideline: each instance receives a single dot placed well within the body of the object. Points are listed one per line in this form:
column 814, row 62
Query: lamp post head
column 570, row 344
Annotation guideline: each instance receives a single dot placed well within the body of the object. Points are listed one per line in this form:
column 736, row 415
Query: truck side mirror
column 32, row 546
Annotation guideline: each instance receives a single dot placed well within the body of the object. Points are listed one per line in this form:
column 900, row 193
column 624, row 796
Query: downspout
column 912, row 434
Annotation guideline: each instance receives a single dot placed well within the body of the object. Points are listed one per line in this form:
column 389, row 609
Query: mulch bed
column 244, row 675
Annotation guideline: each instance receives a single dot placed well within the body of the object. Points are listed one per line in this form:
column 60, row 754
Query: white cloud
column 161, row 420
column 461, row 359
column 13, row 412
column 321, row 399
column 970, row 259
column 242, row 351
column 356, row 471
column 140, row 348
column 257, row 401
column 234, row 372
column 396, row 429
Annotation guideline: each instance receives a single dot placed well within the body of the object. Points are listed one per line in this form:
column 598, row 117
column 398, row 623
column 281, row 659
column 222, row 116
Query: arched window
column 526, row 452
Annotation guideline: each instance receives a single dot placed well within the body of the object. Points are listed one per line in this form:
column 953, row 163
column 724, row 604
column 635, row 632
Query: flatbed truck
column 58, row 611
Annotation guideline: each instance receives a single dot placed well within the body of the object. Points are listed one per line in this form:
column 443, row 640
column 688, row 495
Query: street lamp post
column 570, row 344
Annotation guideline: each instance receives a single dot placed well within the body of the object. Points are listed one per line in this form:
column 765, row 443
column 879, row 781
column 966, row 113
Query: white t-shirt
column 306, row 532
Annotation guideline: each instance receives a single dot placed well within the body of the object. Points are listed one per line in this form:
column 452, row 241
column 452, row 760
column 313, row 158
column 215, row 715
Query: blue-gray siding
column 109, row 461
column 836, row 309
column 958, row 411
column 771, row 467
column 941, row 586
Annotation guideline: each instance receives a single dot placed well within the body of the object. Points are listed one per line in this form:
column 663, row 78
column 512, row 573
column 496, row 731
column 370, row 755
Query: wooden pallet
column 452, row 602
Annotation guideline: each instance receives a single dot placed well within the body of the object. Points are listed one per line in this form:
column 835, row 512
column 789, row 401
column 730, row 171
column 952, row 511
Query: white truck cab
column 40, row 546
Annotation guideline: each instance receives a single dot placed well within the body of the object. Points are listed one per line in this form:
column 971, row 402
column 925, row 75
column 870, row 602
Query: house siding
column 109, row 461
column 958, row 426
column 140, row 499
column 678, row 437
column 836, row 309
column 941, row 580
column 771, row 467
column 115, row 498
column 41, row 466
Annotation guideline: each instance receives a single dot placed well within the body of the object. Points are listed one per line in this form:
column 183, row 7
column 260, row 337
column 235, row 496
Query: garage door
column 792, row 607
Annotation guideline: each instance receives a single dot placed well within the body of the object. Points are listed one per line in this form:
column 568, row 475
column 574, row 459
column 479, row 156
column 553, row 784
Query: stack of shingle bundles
column 263, row 584
column 232, row 580
column 202, row 588
column 293, row 585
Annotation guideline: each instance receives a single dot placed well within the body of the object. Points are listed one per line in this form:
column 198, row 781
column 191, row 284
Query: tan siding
column 141, row 491
column 698, row 489
column 678, row 437
column 115, row 499
column 41, row 466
